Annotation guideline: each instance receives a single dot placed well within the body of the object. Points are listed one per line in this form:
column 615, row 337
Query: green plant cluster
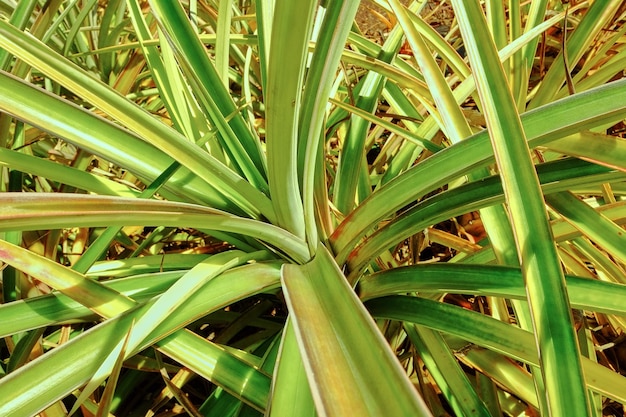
column 255, row 208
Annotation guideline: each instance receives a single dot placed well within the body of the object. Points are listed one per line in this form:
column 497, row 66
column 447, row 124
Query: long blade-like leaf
column 499, row 281
column 25, row 211
column 489, row 332
column 556, row 120
column 105, row 139
column 446, row 371
column 291, row 395
column 214, row 363
column 601, row 230
column 291, row 31
column 135, row 118
column 210, row 90
column 336, row 338
column 320, row 79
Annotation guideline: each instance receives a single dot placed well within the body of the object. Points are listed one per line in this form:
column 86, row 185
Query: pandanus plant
column 251, row 208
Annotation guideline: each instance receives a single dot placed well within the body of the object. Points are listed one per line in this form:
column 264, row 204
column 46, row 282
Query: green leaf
column 444, row 368
column 109, row 390
column 337, row 337
column 499, row 368
column 291, row 31
column 453, row 122
column 176, row 295
column 598, row 228
column 594, row 147
column 223, row 34
column 164, row 306
column 19, row 18
column 56, row 308
column 92, row 294
column 101, row 137
column 352, row 153
column 291, row 394
column 557, row 176
column 38, row 211
column 487, row 280
column 63, row 174
column 593, row 21
column 545, row 283
column 487, row 332
column 391, row 127
column 133, row 117
column 40, row 383
column 578, row 112
column 319, row 82
column 210, row 91
column 52, row 373
column 183, row 110
column 24, row 348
